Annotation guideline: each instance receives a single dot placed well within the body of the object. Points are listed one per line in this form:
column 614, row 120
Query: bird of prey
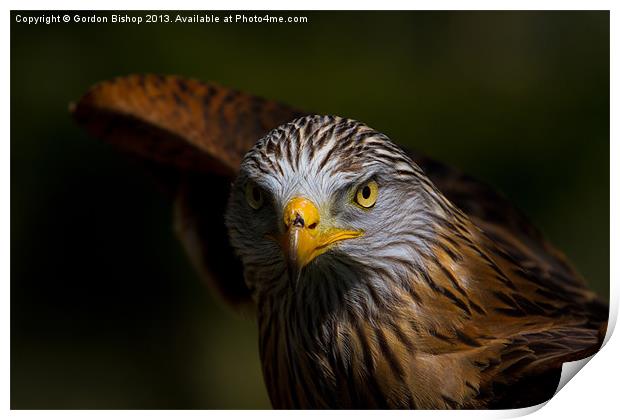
column 379, row 278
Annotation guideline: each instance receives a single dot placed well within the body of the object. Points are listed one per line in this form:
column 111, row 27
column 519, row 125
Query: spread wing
column 194, row 134
column 180, row 122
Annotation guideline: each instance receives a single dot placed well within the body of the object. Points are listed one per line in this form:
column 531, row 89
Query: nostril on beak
column 298, row 221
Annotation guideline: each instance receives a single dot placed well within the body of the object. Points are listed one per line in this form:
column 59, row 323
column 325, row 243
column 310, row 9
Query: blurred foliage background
column 106, row 311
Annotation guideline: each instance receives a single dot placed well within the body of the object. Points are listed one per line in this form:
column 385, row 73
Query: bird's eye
column 254, row 195
column 366, row 195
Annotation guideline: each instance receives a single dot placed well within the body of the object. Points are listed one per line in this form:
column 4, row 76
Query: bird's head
column 326, row 197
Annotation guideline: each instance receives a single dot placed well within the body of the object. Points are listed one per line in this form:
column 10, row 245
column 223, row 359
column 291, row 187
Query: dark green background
column 105, row 310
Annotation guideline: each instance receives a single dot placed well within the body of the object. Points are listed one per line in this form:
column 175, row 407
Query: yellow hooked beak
column 305, row 238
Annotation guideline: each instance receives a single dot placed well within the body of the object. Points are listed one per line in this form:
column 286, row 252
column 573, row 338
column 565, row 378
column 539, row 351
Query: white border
column 592, row 394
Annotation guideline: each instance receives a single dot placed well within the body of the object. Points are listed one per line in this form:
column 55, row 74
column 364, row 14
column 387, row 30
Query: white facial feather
column 325, row 159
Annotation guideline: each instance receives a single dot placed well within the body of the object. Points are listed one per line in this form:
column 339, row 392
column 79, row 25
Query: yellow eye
column 366, row 195
column 254, row 195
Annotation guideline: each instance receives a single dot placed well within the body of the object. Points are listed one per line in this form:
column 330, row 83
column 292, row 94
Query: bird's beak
column 305, row 238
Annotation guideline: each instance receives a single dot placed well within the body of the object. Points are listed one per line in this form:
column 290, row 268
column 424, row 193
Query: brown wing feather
column 497, row 217
column 193, row 135
column 177, row 121
column 527, row 370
